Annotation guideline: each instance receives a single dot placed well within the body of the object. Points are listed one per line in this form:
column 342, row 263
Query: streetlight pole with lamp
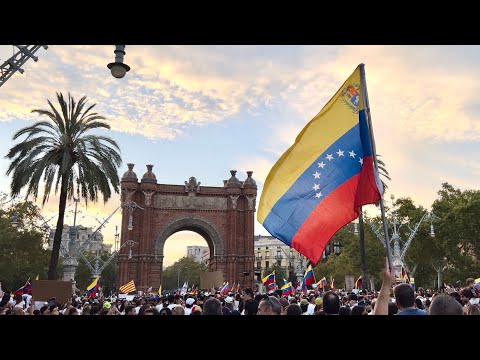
column 118, row 68
column 400, row 251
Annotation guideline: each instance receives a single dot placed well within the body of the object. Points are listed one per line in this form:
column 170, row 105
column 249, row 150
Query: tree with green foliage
column 457, row 232
column 184, row 270
column 63, row 154
column 348, row 262
column 23, row 252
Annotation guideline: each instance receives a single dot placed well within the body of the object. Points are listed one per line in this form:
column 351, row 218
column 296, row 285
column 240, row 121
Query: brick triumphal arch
column 223, row 216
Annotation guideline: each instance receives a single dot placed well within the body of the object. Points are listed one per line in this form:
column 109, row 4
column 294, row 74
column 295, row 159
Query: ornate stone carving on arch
column 199, row 225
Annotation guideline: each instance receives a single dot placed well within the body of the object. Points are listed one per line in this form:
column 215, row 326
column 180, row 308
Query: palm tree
column 61, row 152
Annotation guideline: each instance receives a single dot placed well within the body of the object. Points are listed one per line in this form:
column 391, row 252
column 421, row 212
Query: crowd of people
column 400, row 299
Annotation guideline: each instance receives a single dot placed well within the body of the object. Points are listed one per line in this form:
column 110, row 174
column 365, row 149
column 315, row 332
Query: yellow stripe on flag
column 93, row 284
column 331, row 123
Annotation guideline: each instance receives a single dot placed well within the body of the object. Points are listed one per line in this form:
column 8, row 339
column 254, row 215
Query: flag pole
column 374, row 153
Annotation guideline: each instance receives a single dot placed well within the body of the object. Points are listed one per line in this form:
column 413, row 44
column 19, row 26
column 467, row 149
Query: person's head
column 72, row 311
column 284, row 302
column 304, row 305
column 18, row 298
column 251, row 307
column 444, row 304
column 465, row 295
column 142, row 309
column 165, row 311
column 171, row 298
column 471, row 282
column 269, row 306
column 345, row 310
column 178, row 310
column 419, row 303
column 392, row 308
column 331, row 303
column 130, row 310
column 189, row 302
column 359, row 310
column 19, row 311
column 151, row 311
column 247, row 293
column 473, row 309
column 404, row 296
column 293, row 309
column 54, row 309
column 212, row 307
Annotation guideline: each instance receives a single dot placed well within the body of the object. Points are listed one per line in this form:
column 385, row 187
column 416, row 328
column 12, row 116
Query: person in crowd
column 212, row 307
column 293, row 309
column 345, row 310
column 269, row 306
column 188, row 305
column 178, row 310
column 473, row 309
column 165, row 311
column 444, row 304
column 359, row 310
column 331, row 303
column 251, row 305
column 392, row 308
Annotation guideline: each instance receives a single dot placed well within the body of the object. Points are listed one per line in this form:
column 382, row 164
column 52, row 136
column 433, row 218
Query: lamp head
column 118, row 69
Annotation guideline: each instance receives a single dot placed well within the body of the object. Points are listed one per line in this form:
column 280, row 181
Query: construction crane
column 14, row 63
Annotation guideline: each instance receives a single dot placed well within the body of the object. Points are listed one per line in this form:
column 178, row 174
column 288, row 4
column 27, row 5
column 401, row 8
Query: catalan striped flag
column 319, row 184
column 92, row 289
column 359, row 282
column 128, row 288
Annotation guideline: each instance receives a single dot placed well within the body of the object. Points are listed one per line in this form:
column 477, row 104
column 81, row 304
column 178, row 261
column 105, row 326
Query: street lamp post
column 178, row 275
column 70, row 262
column 399, row 251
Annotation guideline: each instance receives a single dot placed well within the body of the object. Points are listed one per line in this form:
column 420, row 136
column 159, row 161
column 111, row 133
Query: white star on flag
column 360, row 161
column 321, row 165
column 318, row 195
column 329, row 157
column 316, row 175
column 340, row 152
column 316, row 187
column 352, row 154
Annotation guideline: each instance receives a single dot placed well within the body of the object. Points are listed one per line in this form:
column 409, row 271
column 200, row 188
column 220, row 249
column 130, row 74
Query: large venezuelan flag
column 318, row 185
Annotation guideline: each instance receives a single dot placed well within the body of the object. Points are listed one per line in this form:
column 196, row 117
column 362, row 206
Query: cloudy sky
column 203, row 110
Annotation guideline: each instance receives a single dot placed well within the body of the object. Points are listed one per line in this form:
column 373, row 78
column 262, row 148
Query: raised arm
column 381, row 305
